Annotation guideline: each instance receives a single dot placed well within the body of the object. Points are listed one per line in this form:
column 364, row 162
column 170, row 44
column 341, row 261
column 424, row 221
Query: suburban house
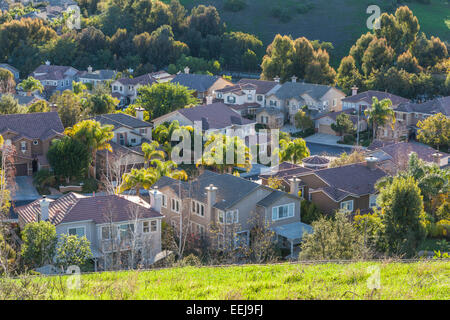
column 290, row 97
column 362, row 101
column 408, row 114
column 395, row 156
column 31, row 134
column 272, row 117
column 230, row 204
column 203, row 85
column 23, row 99
column 55, row 78
column 247, row 96
column 323, row 122
column 214, row 118
column 349, row 187
column 111, row 223
column 126, row 89
column 96, row 77
column 13, row 70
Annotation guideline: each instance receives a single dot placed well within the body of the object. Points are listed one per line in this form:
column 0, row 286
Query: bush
column 282, row 14
column 310, row 212
column 89, row 185
column 234, row 5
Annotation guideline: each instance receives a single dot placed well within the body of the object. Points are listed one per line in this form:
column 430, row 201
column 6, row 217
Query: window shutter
column 274, row 214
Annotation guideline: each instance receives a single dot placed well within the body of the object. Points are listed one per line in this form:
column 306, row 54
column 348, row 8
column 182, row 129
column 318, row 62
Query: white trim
column 290, row 212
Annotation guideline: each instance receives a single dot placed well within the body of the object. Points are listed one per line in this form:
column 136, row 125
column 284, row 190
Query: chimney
column 209, row 100
column 47, row 63
column 186, row 70
column 354, row 90
column 44, row 203
column 156, row 199
column 89, row 69
column 211, row 192
column 437, row 158
column 294, row 185
column 294, row 78
column 371, row 162
column 276, row 79
column 139, row 113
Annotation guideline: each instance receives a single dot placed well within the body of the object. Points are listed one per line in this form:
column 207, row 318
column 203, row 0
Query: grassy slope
column 338, row 21
column 424, row 280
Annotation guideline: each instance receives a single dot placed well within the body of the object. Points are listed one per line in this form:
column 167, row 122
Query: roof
column 230, row 189
column 438, row 105
column 316, row 160
column 197, row 82
column 9, row 67
column 285, row 172
column 121, row 119
column 39, row 125
column 262, row 86
column 74, row 207
column 51, row 72
column 214, row 116
column 270, row 111
column 22, row 100
column 334, row 193
column 290, row 90
column 293, row 231
column 98, row 74
column 271, row 198
column 145, row 79
column 398, row 151
column 368, row 95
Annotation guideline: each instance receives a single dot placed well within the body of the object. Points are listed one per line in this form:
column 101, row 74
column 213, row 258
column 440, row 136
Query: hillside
column 338, row 21
column 420, row 280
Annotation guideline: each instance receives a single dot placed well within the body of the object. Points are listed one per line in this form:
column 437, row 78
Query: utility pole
column 357, row 127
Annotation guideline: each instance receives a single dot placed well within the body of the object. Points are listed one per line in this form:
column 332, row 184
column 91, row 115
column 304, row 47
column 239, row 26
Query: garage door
column 21, row 169
column 323, row 128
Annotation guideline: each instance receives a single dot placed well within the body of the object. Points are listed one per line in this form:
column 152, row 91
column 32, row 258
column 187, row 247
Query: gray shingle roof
column 197, row 82
column 398, row 151
column 146, row 79
column 290, row 90
column 98, row 74
column 121, row 119
column 316, row 160
column 262, row 86
column 438, row 105
column 214, row 116
column 367, row 97
column 39, row 125
column 22, row 100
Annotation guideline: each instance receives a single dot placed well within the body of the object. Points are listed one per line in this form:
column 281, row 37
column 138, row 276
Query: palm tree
column 150, row 152
column 137, row 179
column 380, row 114
column 94, row 135
column 30, row 84
column 167, row 168
column 163, row 133
column 293, row 151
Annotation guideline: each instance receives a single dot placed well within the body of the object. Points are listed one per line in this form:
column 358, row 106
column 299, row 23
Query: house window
column 273, row 103
column 241, row 239
column 249, row 97
column 283, row 212
column 23, row 146
column 259, row 98
column 219, row 95
column 106, row 233
column 164, row 201
column 232, row 216
column 153, row 226
column 231, row 99
column 121, row 139
column 133, row 140
column 197, row 228
column 347, row 205
column 334, row 102
column 175, row 205
column 198, row 208
column 373, row 201
column 78, row 231
column 149, row 226
column 143, row 131
column 35, row 142
column 126, row 231
column 220, row 241
column 115, row 88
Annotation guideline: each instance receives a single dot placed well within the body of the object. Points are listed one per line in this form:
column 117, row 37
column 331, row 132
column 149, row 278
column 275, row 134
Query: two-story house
column 362, row 101
column 111, row 223
column 96, row 77
column 55, row 78
column 290, row 97
column 31, row 134
column 126, row 89
column 213, row 205
column 323, row 122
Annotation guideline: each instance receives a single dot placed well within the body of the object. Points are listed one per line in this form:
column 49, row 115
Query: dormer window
column 23, row 146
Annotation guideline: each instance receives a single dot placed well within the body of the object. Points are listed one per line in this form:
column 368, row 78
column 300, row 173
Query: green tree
column 403, row 215
column 7, row 83
column 151, row 152
column 39, row 106
column 348, row 74
column 343, row 124
column 435, row 131
column 162, row 98
column 294, row 151
column 72, row 250
column 303, row 120
column 69, row 107
column 10, row 105
column 131, row 111
column 69, row 158
column 30, row 85
column 137, row 179
column 39, row 243
column 380, row 114
column 101, row 104
column 95, row 136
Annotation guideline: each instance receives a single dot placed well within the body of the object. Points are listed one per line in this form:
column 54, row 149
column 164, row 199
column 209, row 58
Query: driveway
column 327, row 139
column 24, row 189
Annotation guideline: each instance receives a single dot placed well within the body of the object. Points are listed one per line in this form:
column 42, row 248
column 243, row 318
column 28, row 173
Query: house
column 55, row 78
column 408, row 114
column 23, row 100
column 96, row 77
column 247, row 96
column 323, row 122
column 14, row 71
column 350, row 187
column 362, row 101
column 228, row 202
column 111, row 223
column 126, row 89
column 214, row 118
column 271, row 117
column 395, row 156
column 284, row 173
column 290, row 97
column 31, row 135
column 203, row 85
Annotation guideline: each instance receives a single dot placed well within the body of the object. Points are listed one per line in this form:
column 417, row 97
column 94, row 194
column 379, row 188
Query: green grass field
column 338, row 21
column 421, row 280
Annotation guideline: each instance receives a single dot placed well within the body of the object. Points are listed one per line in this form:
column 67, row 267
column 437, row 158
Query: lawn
column 420, row 280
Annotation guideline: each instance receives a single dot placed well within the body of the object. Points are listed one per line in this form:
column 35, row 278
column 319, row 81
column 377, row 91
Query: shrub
column 282, row 14
column 234, row 5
